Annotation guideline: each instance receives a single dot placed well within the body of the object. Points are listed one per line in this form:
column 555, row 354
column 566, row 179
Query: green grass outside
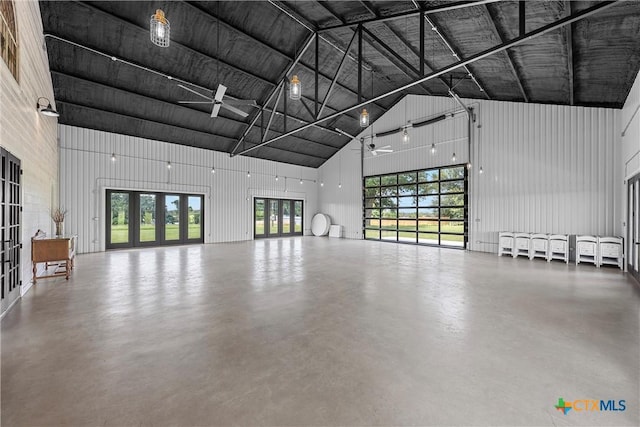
column 259, row 227
column 120, row 233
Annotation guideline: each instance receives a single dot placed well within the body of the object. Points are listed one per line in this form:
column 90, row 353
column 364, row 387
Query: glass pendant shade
column 433, row 148
column 159, row 29
column 364, row 118
column 295, row 89
column 453, row 158
column 405, row 137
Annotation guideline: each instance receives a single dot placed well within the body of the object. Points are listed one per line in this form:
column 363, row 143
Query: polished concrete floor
column 317, row 331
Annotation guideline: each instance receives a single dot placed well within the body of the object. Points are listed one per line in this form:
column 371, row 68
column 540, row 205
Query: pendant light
column 113, row 157
column 295, row 88
column 159, row 29
column 364, row 118
column 213, row 170
column 453, row 158
column 168, row 165
column 433, row 148
column 405, row 136
column 480, row 171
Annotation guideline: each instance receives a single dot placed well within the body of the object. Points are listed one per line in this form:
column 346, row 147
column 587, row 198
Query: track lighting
column 48, row 110
column 295, row 89
column 159, row 29
column 453, row 158
column 168, row 165
column 113, row 157
column 433, row 148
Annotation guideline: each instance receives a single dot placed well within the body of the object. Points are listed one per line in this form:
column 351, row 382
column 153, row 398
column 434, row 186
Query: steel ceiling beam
column 420, row 54
column 226, row 64
column 179, row 106
column 335, row 78
column 268, row 46
column 461, row 63
column 275, row 107
column 449, row 6
column 510, row 59
column 569, row 38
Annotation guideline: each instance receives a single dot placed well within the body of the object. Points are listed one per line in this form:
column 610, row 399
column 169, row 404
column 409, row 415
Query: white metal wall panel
column 86, row 171
column 29, row 135
column 629, row 153
column 546, row 168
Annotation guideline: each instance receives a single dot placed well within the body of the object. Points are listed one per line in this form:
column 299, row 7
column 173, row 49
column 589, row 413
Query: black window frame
column 370, row 206
column 134, row 223
column 267, row 214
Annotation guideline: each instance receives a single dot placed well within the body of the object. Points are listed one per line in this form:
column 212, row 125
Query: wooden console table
column 58, row 251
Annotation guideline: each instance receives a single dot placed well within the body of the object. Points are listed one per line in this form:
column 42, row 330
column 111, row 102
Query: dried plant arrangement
column 57, row 215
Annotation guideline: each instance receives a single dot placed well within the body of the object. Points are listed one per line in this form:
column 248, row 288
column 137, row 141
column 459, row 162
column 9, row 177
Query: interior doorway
column 10, row 233
column 633, row 227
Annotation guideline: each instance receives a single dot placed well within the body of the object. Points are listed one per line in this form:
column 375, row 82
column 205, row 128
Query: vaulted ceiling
column 107, row 75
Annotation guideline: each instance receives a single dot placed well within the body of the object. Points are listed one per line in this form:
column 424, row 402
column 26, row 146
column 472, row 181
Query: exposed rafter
column 462, row 63
column 412, row 12
column 507, row 54
column 569, row 37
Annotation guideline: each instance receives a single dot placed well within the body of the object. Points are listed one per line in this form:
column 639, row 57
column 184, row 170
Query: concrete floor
column 313, row 331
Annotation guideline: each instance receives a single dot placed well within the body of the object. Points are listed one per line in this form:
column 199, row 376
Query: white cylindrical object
column 320, row 224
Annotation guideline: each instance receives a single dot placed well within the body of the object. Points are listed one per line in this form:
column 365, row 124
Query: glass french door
column 153, row 219
column 10, row 211
column 277, row 217
column 633, row 227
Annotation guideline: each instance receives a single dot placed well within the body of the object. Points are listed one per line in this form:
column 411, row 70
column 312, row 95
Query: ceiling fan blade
column 384, row 150
column 250, row 102
column 220, row 92
column 234, row 110
column 195, row 92
column 215, row 110
column 195, row 102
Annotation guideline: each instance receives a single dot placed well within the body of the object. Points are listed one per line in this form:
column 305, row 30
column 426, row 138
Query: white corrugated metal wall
column 86, row 171
column 27, row 134
column 629, row 153
column 546, row 168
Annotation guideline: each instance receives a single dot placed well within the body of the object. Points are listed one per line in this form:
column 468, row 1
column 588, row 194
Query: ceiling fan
column 374, row 151
column 218, row 101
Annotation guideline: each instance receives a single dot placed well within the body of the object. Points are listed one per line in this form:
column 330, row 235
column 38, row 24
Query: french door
column 10, row 211
column 277, row 217
column 139, row 218
column 633, row 227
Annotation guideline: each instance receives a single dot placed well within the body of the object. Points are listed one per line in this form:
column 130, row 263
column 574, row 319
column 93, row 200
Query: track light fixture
column 159, row 29
column 295, row 88
column 48, row 110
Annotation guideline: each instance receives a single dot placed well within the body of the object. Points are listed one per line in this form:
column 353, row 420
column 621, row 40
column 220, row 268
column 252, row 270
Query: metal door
column 10, row 211
column 633, row 227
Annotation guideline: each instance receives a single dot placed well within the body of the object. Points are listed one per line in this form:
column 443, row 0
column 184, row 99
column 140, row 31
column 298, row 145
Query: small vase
column 58, row 229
